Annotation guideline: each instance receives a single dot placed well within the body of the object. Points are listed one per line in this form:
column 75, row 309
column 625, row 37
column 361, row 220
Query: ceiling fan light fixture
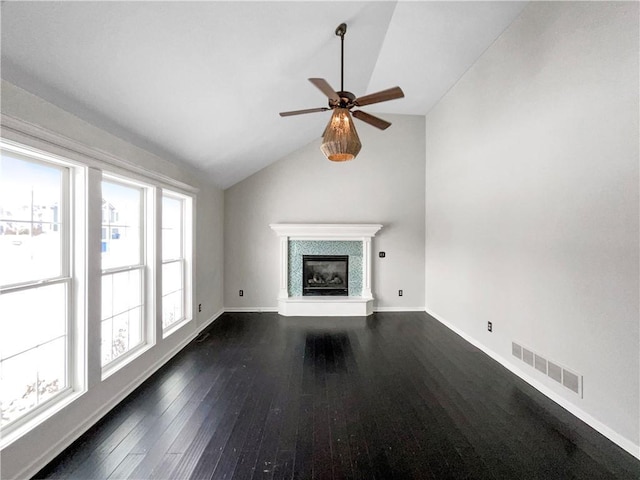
column 341, row 142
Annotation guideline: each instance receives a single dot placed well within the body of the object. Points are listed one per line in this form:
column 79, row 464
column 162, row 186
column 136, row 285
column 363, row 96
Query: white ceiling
column 203, row 82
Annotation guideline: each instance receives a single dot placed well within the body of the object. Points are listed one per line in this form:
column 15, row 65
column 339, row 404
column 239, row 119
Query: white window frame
column 146, row 266
column 87, row 166
column 73, row 251
column 186, row 259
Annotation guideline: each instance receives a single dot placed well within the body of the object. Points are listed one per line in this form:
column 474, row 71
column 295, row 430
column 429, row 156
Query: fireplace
column 325, row 275
column 298, row 240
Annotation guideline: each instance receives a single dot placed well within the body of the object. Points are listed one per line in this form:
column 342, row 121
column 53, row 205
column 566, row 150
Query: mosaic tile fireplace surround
column 352, row 240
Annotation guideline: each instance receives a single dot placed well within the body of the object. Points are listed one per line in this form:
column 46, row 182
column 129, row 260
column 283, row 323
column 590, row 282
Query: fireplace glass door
column 325, row 275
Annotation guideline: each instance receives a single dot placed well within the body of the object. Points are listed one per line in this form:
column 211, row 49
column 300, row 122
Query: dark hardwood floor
column 393, row 396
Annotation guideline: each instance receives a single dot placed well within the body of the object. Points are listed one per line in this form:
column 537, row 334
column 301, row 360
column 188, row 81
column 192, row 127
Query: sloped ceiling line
column 203, row 82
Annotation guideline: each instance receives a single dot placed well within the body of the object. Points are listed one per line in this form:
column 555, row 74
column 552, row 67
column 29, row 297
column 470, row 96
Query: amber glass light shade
column 341, row 142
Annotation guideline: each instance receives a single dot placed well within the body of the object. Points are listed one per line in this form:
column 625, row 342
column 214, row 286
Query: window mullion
column 127, row 268
column 40, row 283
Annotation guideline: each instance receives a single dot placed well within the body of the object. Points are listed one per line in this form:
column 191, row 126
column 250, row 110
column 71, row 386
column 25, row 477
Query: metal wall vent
column 527, row 356
column 516, row 350
column 563, row 376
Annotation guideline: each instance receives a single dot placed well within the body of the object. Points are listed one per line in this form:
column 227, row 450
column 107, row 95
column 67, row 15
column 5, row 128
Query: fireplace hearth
column 325, row 275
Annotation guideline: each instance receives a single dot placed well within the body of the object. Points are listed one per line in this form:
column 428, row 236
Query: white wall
column 31, row 452
column 384, row 184
column 532, row 203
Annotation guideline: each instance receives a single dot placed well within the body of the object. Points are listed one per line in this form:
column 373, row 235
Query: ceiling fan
column 340, row 132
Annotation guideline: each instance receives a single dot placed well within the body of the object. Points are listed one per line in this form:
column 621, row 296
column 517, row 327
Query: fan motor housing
column 346, row 100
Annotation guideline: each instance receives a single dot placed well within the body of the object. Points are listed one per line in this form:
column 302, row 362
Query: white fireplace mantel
column 325, row 306
column 326, row 231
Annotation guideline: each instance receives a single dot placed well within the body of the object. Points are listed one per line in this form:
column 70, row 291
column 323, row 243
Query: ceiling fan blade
column 382, row 96
column 325, row 88
column 371, row 120
column 300, row 112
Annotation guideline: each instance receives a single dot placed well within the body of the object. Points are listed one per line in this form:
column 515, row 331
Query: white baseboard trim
column 611, row 434
column 398, row 309
column 275, row 309
column 250, row 309
column 77, row 432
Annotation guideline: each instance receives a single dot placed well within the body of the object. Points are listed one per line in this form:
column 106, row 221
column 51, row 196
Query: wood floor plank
column 267, row 454
column 127, row 466
column 218, row 408
column 322, row 467
column 162, row 471
column 210, row 456
column 303, row 466
column 157, row 448
column 392, row 396
column 340, row 451
column 200, row 415
column 246, row 420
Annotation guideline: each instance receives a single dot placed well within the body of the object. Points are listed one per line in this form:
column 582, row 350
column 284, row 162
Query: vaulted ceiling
column 202, row 82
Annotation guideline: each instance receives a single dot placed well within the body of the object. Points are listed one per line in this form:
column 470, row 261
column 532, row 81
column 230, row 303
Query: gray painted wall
column 384, row 184
column 40, row 445
column 531, row 211
column 532, row 201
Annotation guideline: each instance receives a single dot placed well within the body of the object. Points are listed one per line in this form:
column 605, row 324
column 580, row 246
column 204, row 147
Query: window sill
column 125, row 360
column 175, row 327
column 34, row 419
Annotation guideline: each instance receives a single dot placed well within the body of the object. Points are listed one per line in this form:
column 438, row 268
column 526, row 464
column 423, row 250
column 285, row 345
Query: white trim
column 46, row 457
column 398, row 309
column 325, row 231
column 284, row 267
column 366, row 270
column 328, row 306
column 175, row 327
column 125, row 359
column 146, row 266
column 251, row 309
column 36, row 414
column 51, row 407
column 275, row 309
column 608, row 432
column 186, row 259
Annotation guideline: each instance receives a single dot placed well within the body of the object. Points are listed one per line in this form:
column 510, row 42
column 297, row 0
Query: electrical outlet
column 241, row 293
column 382, row 254
column 399, row 293
column 199, row 307
column 490, row 326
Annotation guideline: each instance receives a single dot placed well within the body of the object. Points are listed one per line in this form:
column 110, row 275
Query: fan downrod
column 347, row 100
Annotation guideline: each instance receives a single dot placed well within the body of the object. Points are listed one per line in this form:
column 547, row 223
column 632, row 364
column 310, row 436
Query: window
column 67, row 228
column 175, row 261
column 35, row 284
column 123, row 269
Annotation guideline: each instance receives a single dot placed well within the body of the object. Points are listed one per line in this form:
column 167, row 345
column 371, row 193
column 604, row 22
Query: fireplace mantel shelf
column 325, row 305
column 325, row 231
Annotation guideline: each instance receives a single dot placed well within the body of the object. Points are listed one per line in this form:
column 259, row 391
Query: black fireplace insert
column 325, row 275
